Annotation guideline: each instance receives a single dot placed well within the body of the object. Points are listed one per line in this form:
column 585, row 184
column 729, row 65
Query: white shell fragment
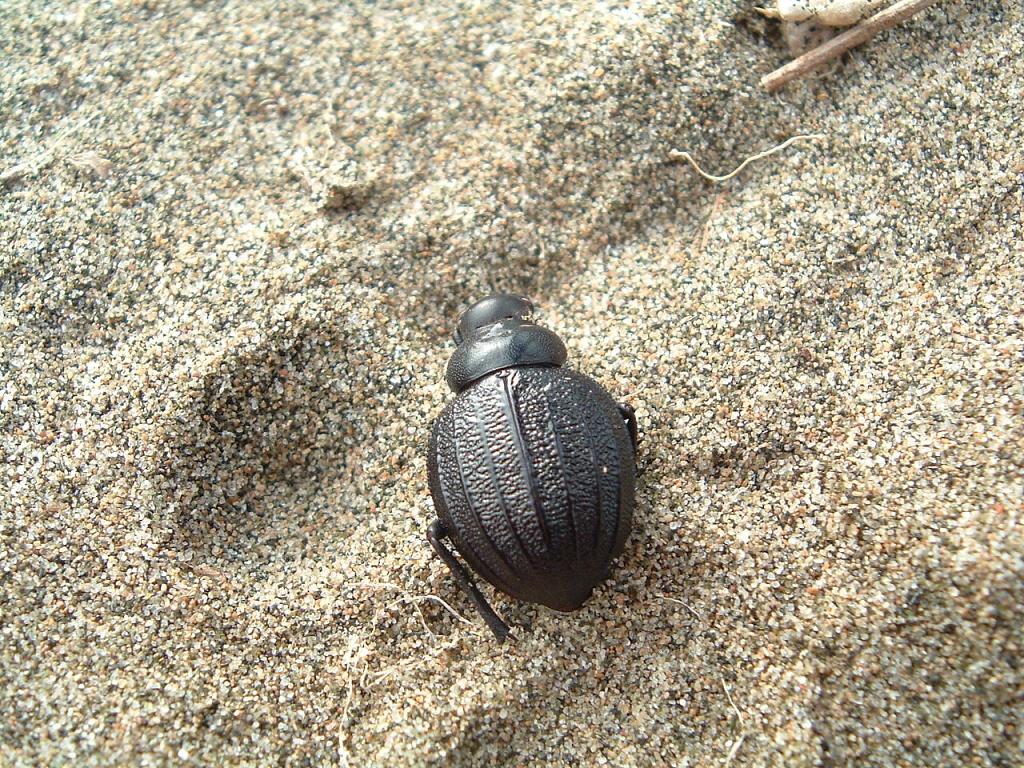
column 803, row 36
column 806, row 24
column 830, row 13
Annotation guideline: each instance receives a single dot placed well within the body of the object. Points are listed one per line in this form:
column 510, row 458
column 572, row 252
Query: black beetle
column 532, row 467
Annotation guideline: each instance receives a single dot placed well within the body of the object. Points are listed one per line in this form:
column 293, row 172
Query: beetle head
column 499, row 306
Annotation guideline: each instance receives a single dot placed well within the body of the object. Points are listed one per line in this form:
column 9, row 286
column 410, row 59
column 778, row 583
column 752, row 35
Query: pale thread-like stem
column 837, row 46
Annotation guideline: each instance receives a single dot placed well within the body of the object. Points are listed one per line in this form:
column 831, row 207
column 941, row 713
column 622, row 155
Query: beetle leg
column 435, row 533
column 629, row 416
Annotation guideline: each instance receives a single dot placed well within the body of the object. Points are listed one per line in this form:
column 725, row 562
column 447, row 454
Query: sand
column 234, row 238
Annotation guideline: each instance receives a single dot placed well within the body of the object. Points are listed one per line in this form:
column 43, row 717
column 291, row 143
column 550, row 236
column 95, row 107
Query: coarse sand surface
column 234, row 239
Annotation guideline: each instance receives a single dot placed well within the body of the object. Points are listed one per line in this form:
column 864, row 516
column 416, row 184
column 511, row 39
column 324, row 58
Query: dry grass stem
column 734, row 749
column 676, row 154
column 739, row 717
column 705, row 235
column 680, row 602
column 406, row 597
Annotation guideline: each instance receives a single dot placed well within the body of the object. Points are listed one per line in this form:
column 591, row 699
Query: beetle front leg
column 435, row 533
column 629, row 416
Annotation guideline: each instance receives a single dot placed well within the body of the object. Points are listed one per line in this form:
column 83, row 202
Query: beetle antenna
column 435, row 533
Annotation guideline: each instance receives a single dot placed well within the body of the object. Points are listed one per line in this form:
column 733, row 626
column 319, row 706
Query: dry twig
column 837, row 46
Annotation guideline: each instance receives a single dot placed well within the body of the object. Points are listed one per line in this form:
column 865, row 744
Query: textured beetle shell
column 532, row 471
